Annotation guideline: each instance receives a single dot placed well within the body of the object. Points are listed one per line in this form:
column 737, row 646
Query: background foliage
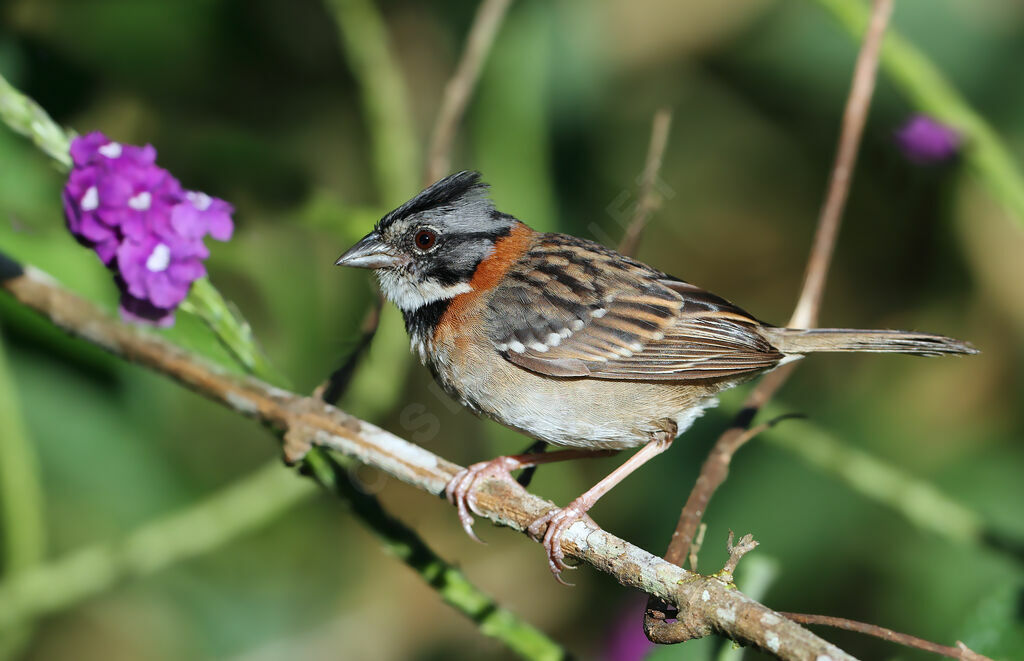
column 256, row 102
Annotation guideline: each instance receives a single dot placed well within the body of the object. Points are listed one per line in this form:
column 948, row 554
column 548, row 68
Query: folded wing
column 572, row 308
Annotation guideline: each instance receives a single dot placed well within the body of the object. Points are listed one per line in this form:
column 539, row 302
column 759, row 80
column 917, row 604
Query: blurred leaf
column 995, row 627
column 22, row 514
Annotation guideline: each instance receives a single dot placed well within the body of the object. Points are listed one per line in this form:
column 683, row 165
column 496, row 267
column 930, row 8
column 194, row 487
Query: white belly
column 585, row 413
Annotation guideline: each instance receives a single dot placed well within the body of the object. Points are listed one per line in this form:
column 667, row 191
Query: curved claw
column 456, row 492
column 459, row 490
column 558, row 521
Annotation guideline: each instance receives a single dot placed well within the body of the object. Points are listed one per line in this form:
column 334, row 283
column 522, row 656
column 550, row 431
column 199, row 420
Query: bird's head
column 429, row 248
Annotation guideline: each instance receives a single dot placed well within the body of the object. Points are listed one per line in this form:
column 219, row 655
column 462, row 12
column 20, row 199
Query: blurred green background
column 256, row 101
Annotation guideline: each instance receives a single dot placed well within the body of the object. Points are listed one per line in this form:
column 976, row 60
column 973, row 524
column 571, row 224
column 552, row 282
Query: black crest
column 443, row 193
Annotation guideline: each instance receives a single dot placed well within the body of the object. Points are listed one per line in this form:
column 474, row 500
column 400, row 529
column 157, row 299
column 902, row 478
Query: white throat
column 410, row 296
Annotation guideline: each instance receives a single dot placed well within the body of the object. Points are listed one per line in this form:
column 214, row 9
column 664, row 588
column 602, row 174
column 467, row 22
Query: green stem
column 451, row 584
column 240, row 508
column 22, row 520
column 927, row 89
column 396, row 157
column 26, row 117
column 918, row 501
column 231, row 329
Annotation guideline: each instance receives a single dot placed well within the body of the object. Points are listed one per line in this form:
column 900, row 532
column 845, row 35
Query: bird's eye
column 425, row 239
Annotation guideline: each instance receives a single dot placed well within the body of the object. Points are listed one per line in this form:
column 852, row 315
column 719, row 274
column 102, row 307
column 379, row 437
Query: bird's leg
column 460, row 489
column 560, row 519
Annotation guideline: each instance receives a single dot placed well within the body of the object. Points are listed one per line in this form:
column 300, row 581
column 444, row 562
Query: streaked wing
column 573, row 308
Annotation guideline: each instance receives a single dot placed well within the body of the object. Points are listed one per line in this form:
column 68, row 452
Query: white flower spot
column 141, row 201
column 201, row 201
column 159, row 259
column 705, row 596
column 91, row 199
column 110, row 150
column 771, row 641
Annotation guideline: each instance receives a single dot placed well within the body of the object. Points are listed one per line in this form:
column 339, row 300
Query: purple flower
column 925, row 141
column 141, row 223
column 626, row 640
column 202, row 214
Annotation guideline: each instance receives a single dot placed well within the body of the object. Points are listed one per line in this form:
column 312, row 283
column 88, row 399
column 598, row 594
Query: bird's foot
column 557, row 522
column 460, row 489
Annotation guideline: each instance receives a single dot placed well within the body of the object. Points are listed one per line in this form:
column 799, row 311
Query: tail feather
column 800, row 341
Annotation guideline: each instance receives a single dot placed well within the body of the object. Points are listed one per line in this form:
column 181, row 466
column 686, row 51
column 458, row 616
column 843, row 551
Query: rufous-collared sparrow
column 570, row 342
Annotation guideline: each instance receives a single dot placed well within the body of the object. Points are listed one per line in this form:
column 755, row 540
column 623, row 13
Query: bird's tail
column 800, row 341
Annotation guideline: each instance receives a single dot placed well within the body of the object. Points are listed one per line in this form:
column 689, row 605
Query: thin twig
column 698, row 541
column 457, row 92
column 708, row 605
column 805, row 315
column 332, row 389
column 736, row 552
column 649, row 200
column 712, row 474
column 961, row 651
column 854, row 117
column 924, row 86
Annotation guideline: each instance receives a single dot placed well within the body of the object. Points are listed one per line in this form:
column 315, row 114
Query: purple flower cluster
column 926, row 141
column 141, row 223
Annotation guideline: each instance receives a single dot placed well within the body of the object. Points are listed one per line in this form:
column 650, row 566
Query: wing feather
column 573, row 308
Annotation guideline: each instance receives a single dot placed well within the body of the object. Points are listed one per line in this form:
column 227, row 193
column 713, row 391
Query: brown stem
column 961, row 651
column 805, row 315
column 746, row 544
column 716, row 466
column 854, row 117
column 698, row 541
column 460, row 87
column 649, row 199
column 710, row 605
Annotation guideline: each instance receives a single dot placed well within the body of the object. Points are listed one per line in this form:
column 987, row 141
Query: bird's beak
column 370, row 253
